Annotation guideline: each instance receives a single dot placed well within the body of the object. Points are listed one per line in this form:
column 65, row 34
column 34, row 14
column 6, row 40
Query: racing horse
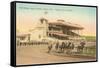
column 81, row 47
column 64, row 47
column 69, row 47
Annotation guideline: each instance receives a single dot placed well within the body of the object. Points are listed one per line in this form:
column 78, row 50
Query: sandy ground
column 37, row 54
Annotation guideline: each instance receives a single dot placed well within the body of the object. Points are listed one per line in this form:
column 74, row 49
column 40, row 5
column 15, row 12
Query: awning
column 59, row 34
column 68, row 25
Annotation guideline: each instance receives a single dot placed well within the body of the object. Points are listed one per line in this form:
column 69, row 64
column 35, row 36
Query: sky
column 28, row 16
